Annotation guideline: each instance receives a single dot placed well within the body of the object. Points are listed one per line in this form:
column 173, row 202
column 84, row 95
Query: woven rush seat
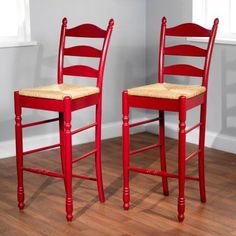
column 59, row 91
column 167, row 90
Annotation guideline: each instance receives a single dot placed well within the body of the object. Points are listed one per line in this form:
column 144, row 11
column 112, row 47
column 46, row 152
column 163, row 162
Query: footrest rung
column 143, row 122
column 153, row 172
column 83, row 128
column 144, row 149
column 192, row 155
column 160, row 173
column 39, row 122
column 44, row 172
column 194, row 127
column 41, row 149
column 192, row 178
column 84, row 155
column 84, row 177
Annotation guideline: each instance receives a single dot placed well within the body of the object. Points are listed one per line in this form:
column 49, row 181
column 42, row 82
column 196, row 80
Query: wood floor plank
column 151, row 213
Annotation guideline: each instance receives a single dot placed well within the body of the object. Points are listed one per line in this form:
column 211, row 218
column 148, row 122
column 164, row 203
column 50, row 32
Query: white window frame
column 23, row 36
column 199, row 16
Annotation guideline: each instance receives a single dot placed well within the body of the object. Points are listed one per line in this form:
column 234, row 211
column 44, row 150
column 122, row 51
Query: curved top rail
column 87, row 31
column 188, row 30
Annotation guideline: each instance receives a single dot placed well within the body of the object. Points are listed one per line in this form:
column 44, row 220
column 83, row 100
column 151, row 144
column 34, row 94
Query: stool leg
column 163, row 151
column 98, row 152
column 125, row 139
column 62, row 143
column 182, row 153
column 68, row 158
column 19, row 151
column 201, row 154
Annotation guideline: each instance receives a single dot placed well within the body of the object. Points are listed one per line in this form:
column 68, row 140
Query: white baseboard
column 213, row 140
column 109, row 130
column 113, row 129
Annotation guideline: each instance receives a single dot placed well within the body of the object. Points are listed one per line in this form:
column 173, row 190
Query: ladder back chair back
column 64, row 99
column 186, row 30
column 172, row 97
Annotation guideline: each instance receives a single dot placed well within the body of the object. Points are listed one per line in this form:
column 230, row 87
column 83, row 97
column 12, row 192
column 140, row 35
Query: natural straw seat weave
column 59, row 91
column 167, row 90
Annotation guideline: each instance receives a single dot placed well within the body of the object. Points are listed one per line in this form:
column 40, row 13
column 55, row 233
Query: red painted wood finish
column 181, row 105
column 64, row 108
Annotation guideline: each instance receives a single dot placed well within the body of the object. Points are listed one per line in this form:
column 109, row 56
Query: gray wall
column 37, row 65
column 221, row 117
column 131, row 61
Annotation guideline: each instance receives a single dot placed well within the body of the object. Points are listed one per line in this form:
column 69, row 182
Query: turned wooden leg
column 125, row 139
column 163, row 151
column 182, row 154
column 68, row 158
column 62, row 143
column 19, row 151
column 98, row 152
column 201, row 154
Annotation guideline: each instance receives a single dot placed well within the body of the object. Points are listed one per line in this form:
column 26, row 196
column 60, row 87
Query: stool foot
column 166, row 193
column 203, row 200
column 69, row 209
column 21, row 205
column 69, row 217
column 181, row 217
column 126, row 206
column 21, row 197
column 181, row 209
column 102, row 199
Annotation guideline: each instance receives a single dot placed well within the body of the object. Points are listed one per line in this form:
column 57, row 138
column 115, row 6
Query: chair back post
column 161, row 51
column 61, row 52
column 104, row 54
column 209, row 53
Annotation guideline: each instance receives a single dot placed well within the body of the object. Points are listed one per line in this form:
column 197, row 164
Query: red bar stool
column 176, row 98
column 64, row 99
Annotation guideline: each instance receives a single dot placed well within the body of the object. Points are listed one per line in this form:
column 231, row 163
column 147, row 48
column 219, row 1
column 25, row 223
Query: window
column 14, row 23
column 205, row 11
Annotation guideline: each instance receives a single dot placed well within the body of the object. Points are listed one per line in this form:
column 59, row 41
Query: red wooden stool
column 64, row 99
column 176, row 98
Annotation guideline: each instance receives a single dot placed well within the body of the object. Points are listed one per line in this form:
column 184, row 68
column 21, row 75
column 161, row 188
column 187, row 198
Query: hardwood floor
column 151, row 213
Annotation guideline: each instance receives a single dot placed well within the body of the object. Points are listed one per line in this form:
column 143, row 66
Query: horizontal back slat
column 81, row 70
column 82, row 51
column 87, row 31
column 185, row 50
column 183, row 69
column 188, row 30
